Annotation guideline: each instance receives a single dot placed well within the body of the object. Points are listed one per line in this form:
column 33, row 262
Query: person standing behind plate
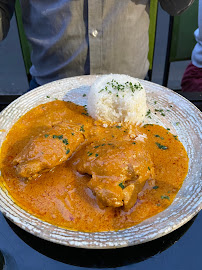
column 79, row 37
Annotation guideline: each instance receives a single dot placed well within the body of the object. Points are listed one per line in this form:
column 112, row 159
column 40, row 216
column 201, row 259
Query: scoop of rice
column 117, row 98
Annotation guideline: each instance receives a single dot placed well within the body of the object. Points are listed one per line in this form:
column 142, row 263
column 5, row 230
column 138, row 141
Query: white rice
column 117, row 98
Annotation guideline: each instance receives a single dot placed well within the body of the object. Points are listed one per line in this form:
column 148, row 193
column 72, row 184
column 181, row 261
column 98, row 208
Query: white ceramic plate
column 184, row 120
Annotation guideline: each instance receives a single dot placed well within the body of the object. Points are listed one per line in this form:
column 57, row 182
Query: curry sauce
column 61, row 194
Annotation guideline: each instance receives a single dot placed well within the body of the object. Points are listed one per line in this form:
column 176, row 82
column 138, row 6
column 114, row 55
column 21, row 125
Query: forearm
column 175, row 7
column 6, row 12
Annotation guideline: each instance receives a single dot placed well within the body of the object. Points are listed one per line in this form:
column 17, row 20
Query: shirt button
column 94, row 33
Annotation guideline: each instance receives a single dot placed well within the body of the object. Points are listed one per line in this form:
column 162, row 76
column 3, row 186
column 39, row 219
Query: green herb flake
column 177, row 123
column 160, row 146
column 159, row 137
column 148, row 113
column 82, row 128
column 165, row 197
column 84, row 95
column 163, row 114
column 85, row 114
column 96, row 146
column 65, row 141
column 67, row 152
column 48, row 96
column 168, row 128
column 55, row 136
column 121, row 185
column 72, row 134
column 46, row 135
column 133, row 142
column 149, row 168
column 89, row 154
column 176, row 137
column 160, row 110
column 155, row 102
column 155, row 187
column 60, row 137
column 96, row 155
column 147, row 125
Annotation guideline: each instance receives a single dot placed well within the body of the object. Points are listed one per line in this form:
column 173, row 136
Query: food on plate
column 119, row 171
column 48, row 150
column 74, row 171
column 117, row 98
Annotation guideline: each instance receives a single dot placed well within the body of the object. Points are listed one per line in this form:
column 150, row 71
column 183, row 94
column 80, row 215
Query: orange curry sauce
column 61, row 196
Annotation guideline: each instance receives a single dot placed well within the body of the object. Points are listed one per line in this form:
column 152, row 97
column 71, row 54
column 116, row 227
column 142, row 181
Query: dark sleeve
column 175, row 7
column 6, row 12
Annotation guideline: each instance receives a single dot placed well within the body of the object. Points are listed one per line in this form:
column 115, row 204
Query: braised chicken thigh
column 48, row 149
column 119, row 171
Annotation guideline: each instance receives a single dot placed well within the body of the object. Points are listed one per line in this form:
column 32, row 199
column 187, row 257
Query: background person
column 192, row 78
column 78, row 37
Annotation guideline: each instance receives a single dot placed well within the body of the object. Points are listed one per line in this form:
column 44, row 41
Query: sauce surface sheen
column 61, row 196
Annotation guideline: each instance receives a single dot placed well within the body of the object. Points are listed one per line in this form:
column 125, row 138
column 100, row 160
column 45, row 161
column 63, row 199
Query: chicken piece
column 48, row 149
column 119, row 171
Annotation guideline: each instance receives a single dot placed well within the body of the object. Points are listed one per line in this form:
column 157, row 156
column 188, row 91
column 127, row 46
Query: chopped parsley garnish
column 155, row 102
column 48, row 96
column 60, row 137
column 65, row 141
column 149, row 168
column 160, row 146
column 148, row 112
column 133, row 142
column 89, row 153
column 46, row 135
column 165, row 197
column 177, row 123
column 159, row 137
column 160, row 110
column 84, row 95
column 118, row 126
column 72, row 133
column 168, row 128
column 82, row 128
column 155, row 187
column 85, row 114
column 96, row 155
column 67, row 152
column 96, row 146
column 147, row 125
column 121, row 185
